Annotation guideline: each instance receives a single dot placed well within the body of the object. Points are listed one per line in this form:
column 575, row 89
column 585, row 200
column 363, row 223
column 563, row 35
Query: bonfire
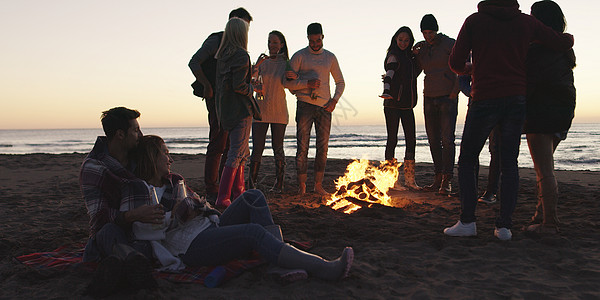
column 364, row 184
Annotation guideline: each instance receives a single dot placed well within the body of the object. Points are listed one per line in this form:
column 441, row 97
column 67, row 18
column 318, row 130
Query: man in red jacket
column 498, row 36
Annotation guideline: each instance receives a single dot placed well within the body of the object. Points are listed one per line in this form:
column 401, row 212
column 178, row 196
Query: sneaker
column 488, row 198
column 461, row 229
column 503, row 234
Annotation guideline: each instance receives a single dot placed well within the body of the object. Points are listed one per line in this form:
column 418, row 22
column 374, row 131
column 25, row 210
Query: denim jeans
column 217, row 147
column 239, row 148
column 307, row 115
column 508, row 113
column 440, row 124
column 259, row 136
column 241, row 230
column 393, row 117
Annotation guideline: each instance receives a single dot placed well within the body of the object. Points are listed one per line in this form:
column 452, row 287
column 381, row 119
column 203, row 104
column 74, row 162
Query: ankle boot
column 446, row 186
column 319, row 184
column 287, row 275
column 549, row 200
column 435, row 186
column 302, row 184
column 227, row 179
column 279, row 176
column 293, row 258
column 409, row 175
column 238, row 186
column 254, row 166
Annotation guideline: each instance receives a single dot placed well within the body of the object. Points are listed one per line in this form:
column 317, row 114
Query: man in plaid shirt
column 110, row 191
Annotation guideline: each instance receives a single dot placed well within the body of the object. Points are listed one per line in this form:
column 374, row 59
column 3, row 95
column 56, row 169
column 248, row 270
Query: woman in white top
column 245, row 226
column 269, row 72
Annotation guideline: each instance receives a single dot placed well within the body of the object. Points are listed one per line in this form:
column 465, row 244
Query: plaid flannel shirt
column 109, row 188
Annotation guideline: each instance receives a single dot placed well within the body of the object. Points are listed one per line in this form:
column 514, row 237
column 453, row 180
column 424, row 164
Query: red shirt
column 499, row 37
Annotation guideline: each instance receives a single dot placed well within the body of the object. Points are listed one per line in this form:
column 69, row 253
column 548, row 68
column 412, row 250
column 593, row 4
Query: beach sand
column 399, row 252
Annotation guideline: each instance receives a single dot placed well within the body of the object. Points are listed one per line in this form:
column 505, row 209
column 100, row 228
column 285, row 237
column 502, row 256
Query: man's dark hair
column 117, row 118
column 241, row 13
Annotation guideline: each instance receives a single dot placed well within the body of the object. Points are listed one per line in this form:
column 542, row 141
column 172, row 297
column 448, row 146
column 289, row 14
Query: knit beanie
column 314, row 28
column 429, row 23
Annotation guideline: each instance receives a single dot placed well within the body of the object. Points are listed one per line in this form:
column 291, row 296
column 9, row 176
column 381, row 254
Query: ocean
column 580, row 151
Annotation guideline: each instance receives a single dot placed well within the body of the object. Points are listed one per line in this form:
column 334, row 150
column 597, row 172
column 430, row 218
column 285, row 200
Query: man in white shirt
column 315, row 104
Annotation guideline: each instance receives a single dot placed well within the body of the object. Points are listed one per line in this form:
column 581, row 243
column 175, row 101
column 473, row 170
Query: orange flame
column 364, row 182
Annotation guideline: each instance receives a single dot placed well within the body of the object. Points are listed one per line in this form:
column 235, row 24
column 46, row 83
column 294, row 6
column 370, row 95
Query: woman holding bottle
column 400, row 97
column 204, row 237
column 271, row 71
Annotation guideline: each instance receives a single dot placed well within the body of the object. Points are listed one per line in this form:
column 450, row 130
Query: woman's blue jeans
column 508, row 113
column 241, row 230
column 239, row 148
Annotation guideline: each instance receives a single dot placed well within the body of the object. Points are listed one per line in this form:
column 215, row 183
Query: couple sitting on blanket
column 123, row 178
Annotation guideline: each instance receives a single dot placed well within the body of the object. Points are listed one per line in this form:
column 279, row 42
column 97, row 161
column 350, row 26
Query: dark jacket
column 499, row 37
column 204, row 59
column 433, row 59
column 550, row 90
column 402, row 81
column 233, row 88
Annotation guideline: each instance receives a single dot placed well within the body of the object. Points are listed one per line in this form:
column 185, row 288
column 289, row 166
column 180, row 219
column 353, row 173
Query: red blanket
column 67, row 257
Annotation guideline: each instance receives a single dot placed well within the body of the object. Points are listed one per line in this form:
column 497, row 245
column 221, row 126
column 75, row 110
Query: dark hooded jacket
column 550, row 90
column 499, row 36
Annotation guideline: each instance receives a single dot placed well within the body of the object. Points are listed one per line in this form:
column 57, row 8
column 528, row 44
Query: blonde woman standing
column 233, row 105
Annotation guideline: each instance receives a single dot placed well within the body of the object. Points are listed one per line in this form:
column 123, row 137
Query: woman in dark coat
column 400, row 97
column 550, row 110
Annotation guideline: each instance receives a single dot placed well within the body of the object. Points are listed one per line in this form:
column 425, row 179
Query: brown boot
column 435, row 186
column 279, row 176
column 254, row 166
column 409, row 175
column 319, row 184
column 301, row 184
column 549, row 200
column 446, row 186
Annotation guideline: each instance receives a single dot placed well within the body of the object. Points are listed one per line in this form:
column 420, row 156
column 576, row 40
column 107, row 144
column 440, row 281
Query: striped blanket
column 67, row 257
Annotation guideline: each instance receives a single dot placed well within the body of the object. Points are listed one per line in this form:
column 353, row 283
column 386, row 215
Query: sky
column 63, row 62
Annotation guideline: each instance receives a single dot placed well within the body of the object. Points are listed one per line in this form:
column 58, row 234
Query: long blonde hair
column 234, row 37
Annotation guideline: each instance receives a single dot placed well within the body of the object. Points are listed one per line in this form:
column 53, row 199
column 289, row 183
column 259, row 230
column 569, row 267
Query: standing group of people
column 517, row 71
column 142, row 214
column 234, row 113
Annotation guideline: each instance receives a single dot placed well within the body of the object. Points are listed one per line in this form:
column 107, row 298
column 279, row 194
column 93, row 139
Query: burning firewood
column 364, row 183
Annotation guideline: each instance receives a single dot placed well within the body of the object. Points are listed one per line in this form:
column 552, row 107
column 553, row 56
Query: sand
column 399, row 252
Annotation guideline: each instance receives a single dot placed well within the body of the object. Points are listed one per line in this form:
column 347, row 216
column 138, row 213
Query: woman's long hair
column 146, row 156
column 235, row 36
column 284, row 49
column 549, row 13
column 394, row 46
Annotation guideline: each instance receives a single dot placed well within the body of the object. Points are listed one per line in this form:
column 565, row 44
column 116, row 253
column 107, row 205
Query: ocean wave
column 6, row 146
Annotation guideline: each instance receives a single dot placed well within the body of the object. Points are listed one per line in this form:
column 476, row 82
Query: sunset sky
column 65, row 61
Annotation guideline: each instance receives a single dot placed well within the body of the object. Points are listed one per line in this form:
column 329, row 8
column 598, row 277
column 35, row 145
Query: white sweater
column 315, row 65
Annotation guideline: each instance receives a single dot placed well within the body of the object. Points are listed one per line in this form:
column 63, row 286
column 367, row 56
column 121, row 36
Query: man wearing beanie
column 440, row 105
column 498, row 35
column 313, row 65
